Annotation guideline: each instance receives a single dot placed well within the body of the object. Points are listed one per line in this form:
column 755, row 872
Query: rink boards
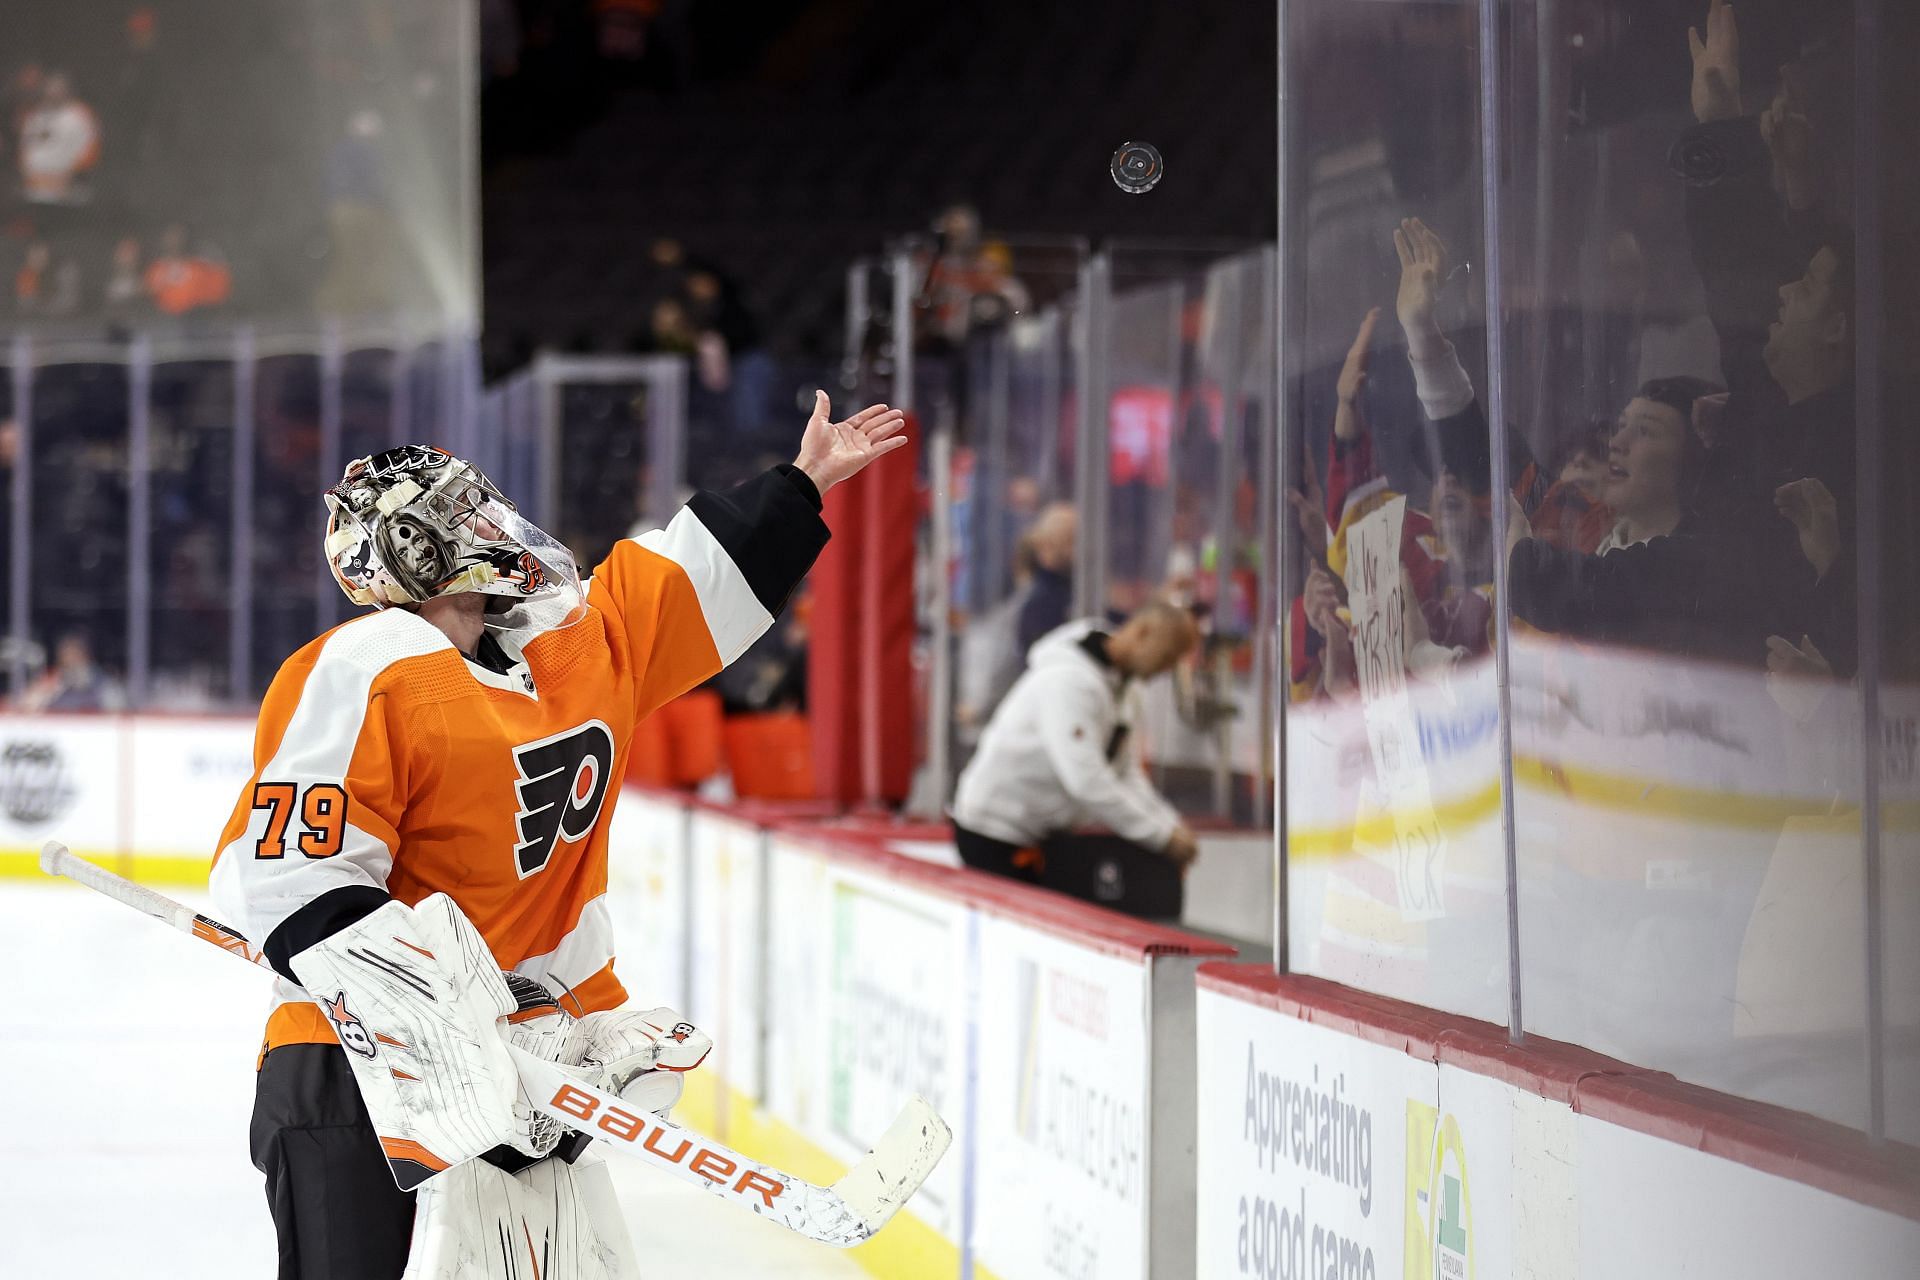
column 1350, row 1135
column 839, row 979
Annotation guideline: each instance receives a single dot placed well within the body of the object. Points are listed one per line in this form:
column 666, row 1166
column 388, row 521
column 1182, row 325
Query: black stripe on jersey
column 317, row 921
column 770, row 527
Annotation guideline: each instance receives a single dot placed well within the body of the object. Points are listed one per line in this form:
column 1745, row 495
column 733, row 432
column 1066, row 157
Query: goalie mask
column 413, row 523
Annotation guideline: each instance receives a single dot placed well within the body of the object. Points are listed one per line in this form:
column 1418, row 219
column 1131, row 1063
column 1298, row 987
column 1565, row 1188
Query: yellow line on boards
column 1593, row 789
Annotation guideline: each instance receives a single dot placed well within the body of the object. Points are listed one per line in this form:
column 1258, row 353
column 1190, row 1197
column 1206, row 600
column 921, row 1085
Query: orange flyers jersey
column 388, row 765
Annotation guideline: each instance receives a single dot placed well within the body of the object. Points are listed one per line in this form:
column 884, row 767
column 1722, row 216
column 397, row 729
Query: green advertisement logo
column 1439, row 1205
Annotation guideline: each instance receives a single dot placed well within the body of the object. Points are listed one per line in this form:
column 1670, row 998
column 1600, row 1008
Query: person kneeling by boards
column 1057, row 755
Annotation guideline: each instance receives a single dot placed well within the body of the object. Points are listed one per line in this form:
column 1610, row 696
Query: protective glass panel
column 1143, row 366
column 225, row 160
column 1234, row 399
column 1688, row 721
column 79, row 530
column 367, row 394
column 288, row 518
column 13, row 477
column 617, row 440
column 1016, row 526
column 1396, row 877
column 191, row 429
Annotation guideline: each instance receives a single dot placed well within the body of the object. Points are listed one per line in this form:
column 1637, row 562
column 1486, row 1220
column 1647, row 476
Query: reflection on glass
column 1699, row 609
column 1687, row 731
column 1396, row 880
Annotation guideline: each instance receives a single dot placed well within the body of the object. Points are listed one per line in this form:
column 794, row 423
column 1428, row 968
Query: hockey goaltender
column 422, row 851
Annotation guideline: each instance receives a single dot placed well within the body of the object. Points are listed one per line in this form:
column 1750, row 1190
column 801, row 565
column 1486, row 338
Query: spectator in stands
column 672, row 329
column 33, row 282
column 1058, row 754
column 1049, row 547
column 967, row 282
column 59, row 141
column 1445, row 557
column 179, row 281
column 995, row 642
column 125, row 287
column 74, row 682
column 23, row 95
column 1574, row 512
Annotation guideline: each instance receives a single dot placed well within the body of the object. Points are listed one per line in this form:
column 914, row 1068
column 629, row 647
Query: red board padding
column 1093, row 927
column 861, row 632
column 833, row 653
column 763, row 813
column 883, row 827
column 1788, row 1144
column 889, row 534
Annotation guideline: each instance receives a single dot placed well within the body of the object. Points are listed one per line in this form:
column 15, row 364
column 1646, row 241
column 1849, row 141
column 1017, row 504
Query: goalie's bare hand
column 834, row 451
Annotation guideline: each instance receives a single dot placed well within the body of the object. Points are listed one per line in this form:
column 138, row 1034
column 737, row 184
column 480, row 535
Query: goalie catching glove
column 642, row 1056
column 639, row 1055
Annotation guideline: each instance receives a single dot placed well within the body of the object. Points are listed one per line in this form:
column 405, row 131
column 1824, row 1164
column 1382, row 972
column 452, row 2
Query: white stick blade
column 53, row 856
column 907, row 1152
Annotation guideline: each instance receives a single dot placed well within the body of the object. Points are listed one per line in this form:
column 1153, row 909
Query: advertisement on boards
column 1062, row 1096
column 798, row 969
column 60, row 779
column 725, row 998
column 867, row 1005
column 1308, row 1142
column 647, row 883
column 896, row 1020
column 189, row 774
column 106, row 785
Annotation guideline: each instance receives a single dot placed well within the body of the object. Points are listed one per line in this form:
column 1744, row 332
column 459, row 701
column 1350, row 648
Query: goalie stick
column 845, row 1214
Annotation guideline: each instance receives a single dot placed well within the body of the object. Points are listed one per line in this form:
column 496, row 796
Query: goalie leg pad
column 478, row 1222
column 416, row 998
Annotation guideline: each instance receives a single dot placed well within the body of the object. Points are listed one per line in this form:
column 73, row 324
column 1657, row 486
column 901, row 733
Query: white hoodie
column 1042, row 764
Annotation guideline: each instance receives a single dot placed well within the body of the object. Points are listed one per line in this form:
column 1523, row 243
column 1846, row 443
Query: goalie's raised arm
column 834, row 451
column 688, row 599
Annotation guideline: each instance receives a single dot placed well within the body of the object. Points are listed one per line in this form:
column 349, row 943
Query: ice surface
column 126, row 1063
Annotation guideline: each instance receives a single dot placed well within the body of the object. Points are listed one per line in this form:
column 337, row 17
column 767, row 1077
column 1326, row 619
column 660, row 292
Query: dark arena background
column 1372, row 728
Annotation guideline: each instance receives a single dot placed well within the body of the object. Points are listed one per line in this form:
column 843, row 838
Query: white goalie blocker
column 416, row 998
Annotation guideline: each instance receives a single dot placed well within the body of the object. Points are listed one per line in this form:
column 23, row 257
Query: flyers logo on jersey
column 563, row 782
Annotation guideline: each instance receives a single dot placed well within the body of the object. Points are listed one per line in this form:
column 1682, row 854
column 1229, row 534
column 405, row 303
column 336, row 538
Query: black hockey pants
column 1106, row 869
column 336, row 1209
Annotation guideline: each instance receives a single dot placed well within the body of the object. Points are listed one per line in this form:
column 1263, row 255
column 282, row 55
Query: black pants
column 336, row 1209
column 1106, row 869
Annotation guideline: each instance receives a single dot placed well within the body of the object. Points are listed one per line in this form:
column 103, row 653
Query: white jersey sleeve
column 315, row 829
